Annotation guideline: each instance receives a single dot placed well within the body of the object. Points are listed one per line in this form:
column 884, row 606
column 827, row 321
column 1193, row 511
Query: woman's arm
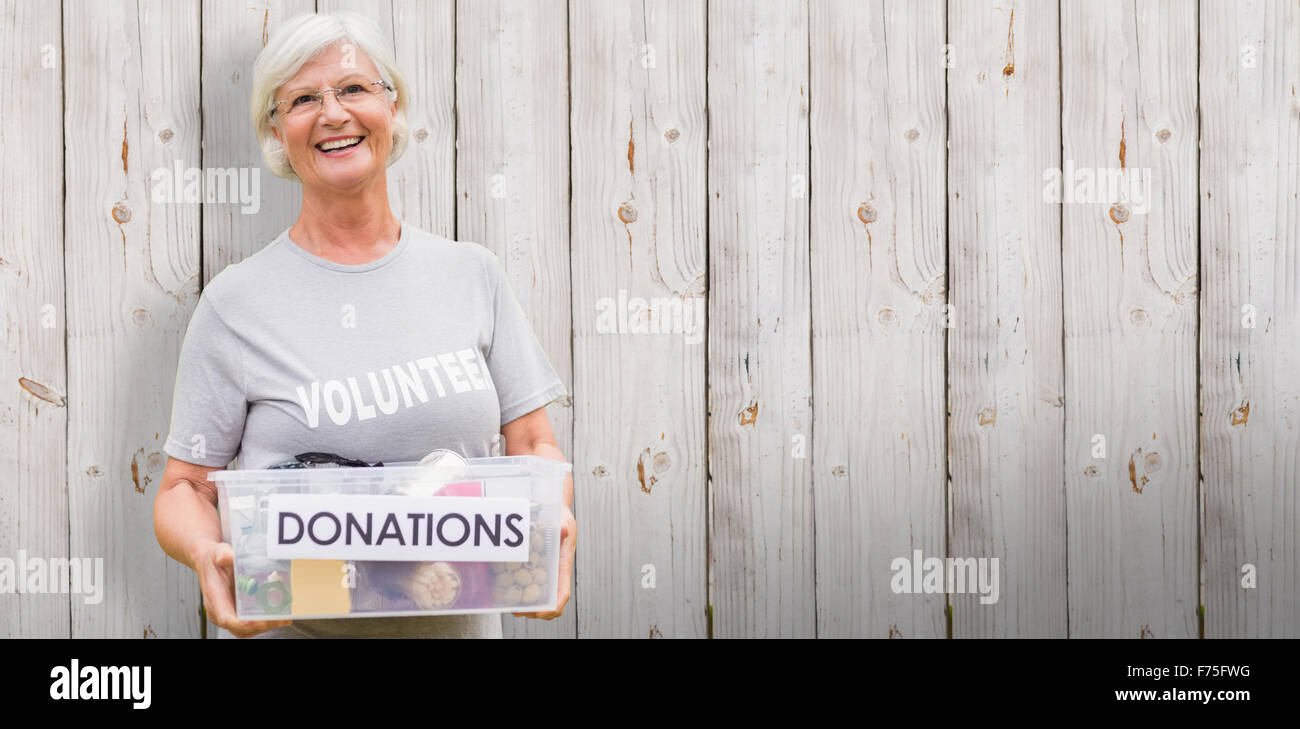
column 187, row 526
column 185, row 518
column 531, row 435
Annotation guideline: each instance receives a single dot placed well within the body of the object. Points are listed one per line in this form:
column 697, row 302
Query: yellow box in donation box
column 479, row 536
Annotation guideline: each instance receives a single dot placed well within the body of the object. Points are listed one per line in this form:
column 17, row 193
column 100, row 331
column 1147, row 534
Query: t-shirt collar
column 403, row 242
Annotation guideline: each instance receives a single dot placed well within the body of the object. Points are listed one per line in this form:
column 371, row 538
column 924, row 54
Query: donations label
column 397, row 528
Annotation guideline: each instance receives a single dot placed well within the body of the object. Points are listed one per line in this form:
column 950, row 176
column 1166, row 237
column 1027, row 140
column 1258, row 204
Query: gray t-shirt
column 424, row 348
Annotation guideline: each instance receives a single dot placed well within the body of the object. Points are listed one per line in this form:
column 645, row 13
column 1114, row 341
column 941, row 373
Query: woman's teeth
column 338, row 144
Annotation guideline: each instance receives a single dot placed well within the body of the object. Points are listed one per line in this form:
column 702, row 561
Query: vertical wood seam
column 1065, row 362
column 63, row 174
column 812, row 327
column 573, row 319
column 1200, row 318
column 948, row 359
column 707, row 342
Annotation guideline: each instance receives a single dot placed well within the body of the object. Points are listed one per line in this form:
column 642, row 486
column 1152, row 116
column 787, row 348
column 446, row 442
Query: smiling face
column 303, row 134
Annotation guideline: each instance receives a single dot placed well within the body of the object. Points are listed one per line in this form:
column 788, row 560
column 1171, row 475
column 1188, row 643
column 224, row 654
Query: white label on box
column 397, row 528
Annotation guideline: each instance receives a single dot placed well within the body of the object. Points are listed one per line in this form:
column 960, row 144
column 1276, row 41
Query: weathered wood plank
column 1250, row 317
column 1129, row 135
column 33, row 412
column 639, row 134
column 1005, row 363
column 760, row 372
column 512, row 182
column 132, row 101
column 422, row 184
column 233, row 35
column 878, row 297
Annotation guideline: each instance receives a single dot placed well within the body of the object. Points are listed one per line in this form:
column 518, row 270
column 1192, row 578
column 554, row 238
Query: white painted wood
column 1129, row 109
column 639, row 131
column 760, row 373
column 132, row 100
column 233, row 35
column 878, row 297
column 422, row 184
column 512, row 182
column 1250, row 392
column 33, row 412
column 1005, row 364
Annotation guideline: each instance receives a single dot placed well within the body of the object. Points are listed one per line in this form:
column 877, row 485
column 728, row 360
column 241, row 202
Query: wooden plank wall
column 907, row 344
column 639, row 130
column 131, row 76
column 1005, row 393
column 762, row 571
column 1250, row 314
column 1129, row 104
column 33, row 400
column 878, row 336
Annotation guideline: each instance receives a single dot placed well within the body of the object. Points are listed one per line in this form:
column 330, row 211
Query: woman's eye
column 302, row 100
column 353, row 89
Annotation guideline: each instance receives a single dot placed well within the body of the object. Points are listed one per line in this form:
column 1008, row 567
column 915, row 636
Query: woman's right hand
column 215, row 568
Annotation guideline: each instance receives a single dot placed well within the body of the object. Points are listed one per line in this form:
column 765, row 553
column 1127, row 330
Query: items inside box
column 335, row 587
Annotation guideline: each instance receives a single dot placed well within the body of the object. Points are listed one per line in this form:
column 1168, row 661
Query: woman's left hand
column 568, row 548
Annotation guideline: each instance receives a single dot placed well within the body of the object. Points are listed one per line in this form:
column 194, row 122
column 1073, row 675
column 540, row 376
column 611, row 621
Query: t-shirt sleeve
column 208, row 402
column 522, row 374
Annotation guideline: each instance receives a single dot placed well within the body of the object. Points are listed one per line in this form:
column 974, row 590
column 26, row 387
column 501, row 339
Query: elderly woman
column 352, row 332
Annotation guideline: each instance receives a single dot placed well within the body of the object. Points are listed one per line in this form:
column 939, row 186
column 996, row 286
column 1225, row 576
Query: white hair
column 301, row 39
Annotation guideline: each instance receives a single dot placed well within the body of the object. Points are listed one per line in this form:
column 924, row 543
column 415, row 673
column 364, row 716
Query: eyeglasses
column 305, row 102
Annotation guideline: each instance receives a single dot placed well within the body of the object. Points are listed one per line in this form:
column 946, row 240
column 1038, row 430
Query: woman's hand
column 215, row 568
column 568, row 548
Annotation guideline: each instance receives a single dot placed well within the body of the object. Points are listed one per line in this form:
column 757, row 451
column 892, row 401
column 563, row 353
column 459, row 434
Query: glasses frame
column 319, row 96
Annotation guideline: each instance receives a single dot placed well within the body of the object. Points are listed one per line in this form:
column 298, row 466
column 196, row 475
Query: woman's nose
column 331, row 108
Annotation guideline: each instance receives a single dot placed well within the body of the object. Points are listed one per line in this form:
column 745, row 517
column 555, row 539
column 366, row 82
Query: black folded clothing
column 323, row 460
